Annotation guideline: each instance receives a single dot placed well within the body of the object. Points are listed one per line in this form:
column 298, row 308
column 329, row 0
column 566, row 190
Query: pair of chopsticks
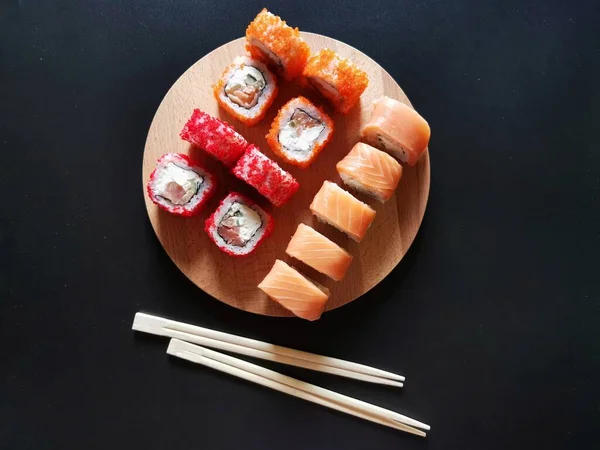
column 262, row 350
column 184, row 336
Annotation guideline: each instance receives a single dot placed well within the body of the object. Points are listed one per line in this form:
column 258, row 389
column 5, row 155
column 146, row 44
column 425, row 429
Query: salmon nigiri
column 397, row 129
column 318, row 252
column 293, row 291
column 342, row 210
column 370, row 171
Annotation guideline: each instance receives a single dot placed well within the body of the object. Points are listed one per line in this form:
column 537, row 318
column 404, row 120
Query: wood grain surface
column 234, row 280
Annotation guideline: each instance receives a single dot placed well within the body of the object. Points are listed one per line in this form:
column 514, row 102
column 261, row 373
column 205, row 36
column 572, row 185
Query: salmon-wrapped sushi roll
column 238, row 225
column 179, row 185
column 370, row 171
column 271, row 40
column 397, row 129
column 342, row 210
column 265, row 175
column 288, row 287
column 299, row 132
column 215, row 137
column 338, row 79
column 246, row 90
column 318, row 252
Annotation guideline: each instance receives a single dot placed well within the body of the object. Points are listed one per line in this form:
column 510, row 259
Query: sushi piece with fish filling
column 318, row 252
column 337, row 79
column 271, row 40
column 238, row 225
column 299, row 132
column 246, row 90
column 265, row 175
column 179, row 185
column 305, row 298
column 370, row 171
column 342, row 210
column 216, row 137
column 397, row 129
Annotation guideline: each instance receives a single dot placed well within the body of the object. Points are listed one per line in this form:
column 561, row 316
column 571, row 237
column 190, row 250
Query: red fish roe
column 212, row 226
column 215, row 137
column 265, row 176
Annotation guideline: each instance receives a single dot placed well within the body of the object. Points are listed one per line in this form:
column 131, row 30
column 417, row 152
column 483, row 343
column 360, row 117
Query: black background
column 493, row 316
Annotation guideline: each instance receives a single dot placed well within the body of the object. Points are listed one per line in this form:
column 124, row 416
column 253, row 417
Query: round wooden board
column 234, row 280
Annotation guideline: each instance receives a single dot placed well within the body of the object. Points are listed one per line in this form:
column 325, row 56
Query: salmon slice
column 342, row 210
column 293, row 291
column 370, row 171
column 318, row 252
column 397, row 129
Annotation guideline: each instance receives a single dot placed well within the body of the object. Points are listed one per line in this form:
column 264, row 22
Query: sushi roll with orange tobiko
column 246, row 90
column 300, row 132
column 272, row 41
column 337, row 79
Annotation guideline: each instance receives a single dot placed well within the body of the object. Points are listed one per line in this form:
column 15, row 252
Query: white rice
column 275, row 59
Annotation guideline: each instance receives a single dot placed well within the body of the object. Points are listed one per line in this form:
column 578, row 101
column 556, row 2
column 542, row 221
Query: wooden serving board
column 234, row 280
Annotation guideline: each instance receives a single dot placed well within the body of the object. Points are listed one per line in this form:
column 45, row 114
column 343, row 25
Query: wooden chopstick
column 194, row 357
column 263, row 350
column 292, row 386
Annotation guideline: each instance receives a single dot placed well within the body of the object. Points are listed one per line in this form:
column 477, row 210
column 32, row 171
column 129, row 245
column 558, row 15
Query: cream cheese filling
column 176, row 184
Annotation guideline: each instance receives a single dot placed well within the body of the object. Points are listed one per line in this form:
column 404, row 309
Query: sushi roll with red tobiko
column 215, row 137
column 264, row 175
column 238, row 225
column 179, row 185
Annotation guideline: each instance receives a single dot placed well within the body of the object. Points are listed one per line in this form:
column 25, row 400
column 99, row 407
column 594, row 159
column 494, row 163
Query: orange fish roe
column 338, row 79
column 270, row 40
column 295, row 120
column 248, row 104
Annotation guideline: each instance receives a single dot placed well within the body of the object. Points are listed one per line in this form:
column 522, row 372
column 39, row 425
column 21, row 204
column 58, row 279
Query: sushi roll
column 179, row 185
column 398, row 129
column 238, row 225
column 288, row 287
column 318, row 252
column 215, row 137
column 246, row 90
column 340, row 209
column 264, row 175
column 270, row 40
column 337, row 79
column 299, row 132
column 370, row 171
